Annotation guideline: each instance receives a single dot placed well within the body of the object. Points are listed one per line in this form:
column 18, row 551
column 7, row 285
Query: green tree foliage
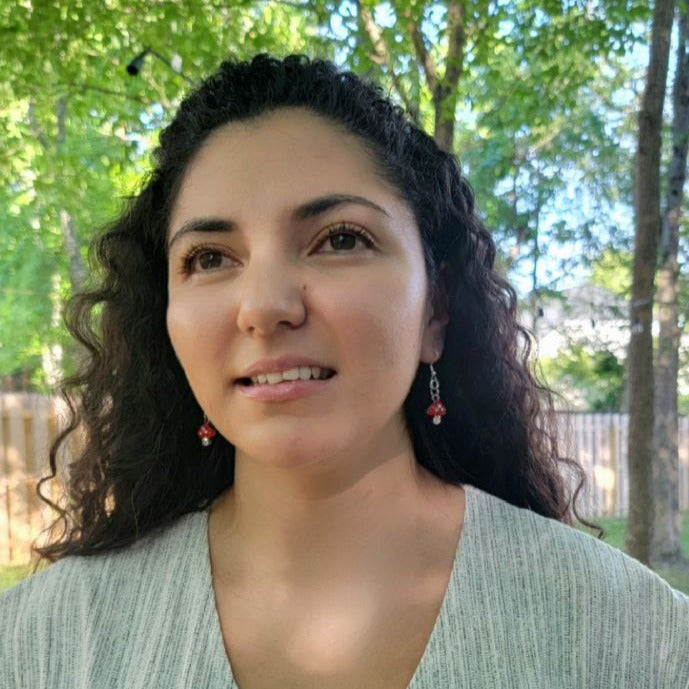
column 612, row 269
column 591, row 380
column 79, row 130
column 530, row 84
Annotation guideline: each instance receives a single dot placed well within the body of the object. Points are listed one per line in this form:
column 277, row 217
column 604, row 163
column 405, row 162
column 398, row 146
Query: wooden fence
column 599, row 443
column 28, row 424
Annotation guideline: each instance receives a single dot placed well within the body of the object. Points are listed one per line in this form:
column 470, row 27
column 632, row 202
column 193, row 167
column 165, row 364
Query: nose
column 271, row 297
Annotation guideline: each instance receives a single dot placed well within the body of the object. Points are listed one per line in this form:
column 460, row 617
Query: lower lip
column 285, row 391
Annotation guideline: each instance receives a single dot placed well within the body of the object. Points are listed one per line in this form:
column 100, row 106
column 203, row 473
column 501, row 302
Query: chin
column 292, row 450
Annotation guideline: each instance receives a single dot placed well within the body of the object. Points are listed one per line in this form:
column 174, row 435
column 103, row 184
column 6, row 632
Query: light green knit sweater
column 531, row 604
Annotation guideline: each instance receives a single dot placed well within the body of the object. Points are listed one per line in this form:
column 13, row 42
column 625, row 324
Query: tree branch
column 61, row 86
column 36, row 127
column 61, row 119
column 424, row 57
column 456, row 13
column 109, row 92
column 382, row 56
column 308, row 5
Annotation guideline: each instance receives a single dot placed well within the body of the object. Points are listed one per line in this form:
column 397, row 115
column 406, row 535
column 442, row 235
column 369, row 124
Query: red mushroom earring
column 206, row 432
column 437, row 409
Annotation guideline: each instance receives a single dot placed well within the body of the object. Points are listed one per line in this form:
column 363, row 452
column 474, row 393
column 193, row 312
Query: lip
column 281, row 363
column 285, row 391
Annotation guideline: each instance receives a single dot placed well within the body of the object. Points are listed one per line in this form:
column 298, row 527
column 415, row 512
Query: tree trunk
column 444, row 89
column 534, row 301
column 370, row 40
column 363, row 45
column 647, row 230
column 77, row 266
column 666, row 549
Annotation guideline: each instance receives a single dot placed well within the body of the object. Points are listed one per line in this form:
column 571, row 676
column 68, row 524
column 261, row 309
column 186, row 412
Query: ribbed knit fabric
column 531, row 604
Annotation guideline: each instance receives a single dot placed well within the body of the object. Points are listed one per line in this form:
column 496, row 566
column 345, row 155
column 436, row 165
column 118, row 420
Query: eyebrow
column 310, row 209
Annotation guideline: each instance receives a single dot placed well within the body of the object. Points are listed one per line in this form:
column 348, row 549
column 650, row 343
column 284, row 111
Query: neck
column 309, row 524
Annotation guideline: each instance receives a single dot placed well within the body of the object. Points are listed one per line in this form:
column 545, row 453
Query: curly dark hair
column 141, row 465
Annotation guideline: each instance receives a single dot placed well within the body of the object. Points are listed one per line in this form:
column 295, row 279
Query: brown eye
column 203, row 260
column 343, row 239
column 209, row 260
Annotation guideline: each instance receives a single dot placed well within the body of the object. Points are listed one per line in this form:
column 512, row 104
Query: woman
column 315, row 454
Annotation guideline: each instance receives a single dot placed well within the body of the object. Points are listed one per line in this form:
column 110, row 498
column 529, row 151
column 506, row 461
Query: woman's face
column 284, row 243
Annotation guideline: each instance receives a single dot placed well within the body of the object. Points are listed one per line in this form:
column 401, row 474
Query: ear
column 437, row 318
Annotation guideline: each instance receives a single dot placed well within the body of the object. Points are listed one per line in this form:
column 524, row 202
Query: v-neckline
column 454, row 582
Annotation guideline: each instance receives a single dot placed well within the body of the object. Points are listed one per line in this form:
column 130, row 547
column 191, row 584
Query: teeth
column 296, row 373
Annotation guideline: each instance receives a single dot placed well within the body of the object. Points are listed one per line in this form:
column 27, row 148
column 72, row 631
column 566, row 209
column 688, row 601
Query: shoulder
column 584, row 590
column 48, row 617
column 561, row 551
column 80, row 577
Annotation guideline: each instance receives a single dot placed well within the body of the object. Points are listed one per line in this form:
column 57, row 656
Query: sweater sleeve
column 632, row 624
column 40, row 618
column 662, row 628
column 140, row 617
column 636, row 626
column 568, row 609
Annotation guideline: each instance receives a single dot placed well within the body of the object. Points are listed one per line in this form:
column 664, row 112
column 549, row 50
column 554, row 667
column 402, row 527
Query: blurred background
column 539, row 99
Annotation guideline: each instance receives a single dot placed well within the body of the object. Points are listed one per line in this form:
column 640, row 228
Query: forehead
column 270, row 161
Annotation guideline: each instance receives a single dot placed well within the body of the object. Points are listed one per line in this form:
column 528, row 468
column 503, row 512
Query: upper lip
column 282, row 363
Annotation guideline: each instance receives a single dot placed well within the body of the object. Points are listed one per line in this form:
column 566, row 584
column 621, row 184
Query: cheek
column 193, row 326
column 381, row 320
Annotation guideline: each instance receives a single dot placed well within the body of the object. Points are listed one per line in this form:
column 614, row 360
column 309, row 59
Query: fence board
column 28, row 424
column 5, row 555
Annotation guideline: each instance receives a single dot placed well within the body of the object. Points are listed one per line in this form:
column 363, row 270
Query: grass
column 12, row 574
column 615, row 529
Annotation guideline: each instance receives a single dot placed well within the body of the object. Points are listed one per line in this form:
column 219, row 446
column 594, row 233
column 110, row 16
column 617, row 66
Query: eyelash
column 194, row 252
column 346, row 228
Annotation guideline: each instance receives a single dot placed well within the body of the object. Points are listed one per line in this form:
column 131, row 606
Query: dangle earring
column 437, row 409
column 206, row 432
